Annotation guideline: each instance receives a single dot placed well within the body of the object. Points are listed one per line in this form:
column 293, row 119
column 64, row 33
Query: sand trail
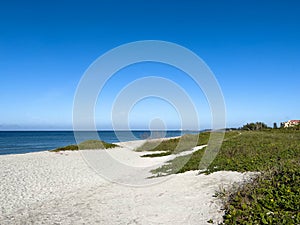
column 62, row 188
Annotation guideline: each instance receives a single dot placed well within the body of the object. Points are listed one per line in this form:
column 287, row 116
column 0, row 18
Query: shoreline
column 61, row 187
column 20, row 142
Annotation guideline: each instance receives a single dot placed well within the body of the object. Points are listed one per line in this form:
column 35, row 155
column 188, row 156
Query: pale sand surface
column 61, row 188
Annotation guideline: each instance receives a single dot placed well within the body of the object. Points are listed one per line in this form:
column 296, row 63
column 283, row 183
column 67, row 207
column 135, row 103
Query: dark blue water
column 17, row 142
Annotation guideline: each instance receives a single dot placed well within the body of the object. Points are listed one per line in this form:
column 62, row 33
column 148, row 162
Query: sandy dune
column 65, row 188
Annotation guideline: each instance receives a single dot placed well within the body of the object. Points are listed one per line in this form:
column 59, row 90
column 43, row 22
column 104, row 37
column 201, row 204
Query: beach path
column 62, row 188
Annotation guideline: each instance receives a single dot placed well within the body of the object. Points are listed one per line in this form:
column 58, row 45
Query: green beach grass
column 86, row 145
column 273, row 196
column 174, row 145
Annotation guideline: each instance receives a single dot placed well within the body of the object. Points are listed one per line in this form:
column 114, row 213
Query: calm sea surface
column 17, row 142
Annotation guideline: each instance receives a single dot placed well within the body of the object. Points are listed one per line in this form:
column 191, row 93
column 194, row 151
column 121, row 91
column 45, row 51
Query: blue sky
column 252, row 47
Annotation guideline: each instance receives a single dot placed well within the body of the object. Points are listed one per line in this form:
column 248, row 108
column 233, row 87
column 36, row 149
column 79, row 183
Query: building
column 291, row 123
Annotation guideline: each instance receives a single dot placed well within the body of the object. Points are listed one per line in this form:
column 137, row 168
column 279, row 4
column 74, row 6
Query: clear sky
column 253, row 48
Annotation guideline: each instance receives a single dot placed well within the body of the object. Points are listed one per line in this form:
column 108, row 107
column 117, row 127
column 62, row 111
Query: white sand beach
column 62, row 188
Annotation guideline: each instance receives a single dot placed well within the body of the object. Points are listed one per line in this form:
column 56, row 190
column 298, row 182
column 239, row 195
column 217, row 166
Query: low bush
column 274, row 196
column 89, row 144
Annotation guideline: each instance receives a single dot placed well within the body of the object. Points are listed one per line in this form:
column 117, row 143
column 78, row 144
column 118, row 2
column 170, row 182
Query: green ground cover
column 272, row 197
column 89, row 144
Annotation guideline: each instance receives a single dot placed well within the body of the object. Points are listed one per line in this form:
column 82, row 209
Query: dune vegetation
column 273, row 197
column 175, row 145
column 86, row 145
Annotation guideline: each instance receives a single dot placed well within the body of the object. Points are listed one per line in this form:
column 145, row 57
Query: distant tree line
column 255, row 126
column 263, row 126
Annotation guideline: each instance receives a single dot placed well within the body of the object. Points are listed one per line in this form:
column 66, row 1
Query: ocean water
column 18, row 142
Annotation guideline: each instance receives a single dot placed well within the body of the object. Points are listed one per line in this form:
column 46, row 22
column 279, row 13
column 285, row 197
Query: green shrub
column 89, row 144
column 177, row 145
column 272, row 199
